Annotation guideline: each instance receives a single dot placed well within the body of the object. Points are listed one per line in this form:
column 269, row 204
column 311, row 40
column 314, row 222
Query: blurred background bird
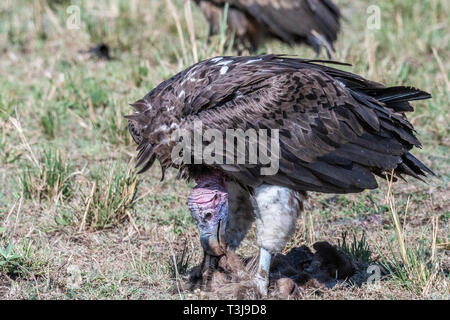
column 313, row 22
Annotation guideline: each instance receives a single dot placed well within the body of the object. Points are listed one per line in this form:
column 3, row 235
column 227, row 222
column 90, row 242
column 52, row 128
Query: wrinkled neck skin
column 208, row 205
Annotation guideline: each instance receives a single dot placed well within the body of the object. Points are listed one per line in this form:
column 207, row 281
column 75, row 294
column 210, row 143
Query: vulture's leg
column 211, row 31
column 262, row 273
column 317, row 41
column 209, row 264
column 276, row 211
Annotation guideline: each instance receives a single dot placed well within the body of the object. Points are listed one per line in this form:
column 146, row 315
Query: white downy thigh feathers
column 276, row 210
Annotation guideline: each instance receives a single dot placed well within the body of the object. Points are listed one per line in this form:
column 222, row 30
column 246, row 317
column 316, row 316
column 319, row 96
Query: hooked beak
column 214, row 242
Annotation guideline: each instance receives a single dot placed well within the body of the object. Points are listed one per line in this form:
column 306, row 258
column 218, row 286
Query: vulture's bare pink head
column 208, row 205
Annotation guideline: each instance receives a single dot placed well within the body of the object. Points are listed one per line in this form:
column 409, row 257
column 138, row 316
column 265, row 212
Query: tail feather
column 397, row 97
column 417, row 165
column 411, row 166
column 403, row 168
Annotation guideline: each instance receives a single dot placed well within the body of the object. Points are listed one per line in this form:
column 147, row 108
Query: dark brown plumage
column 315, row 22
column 337, row 129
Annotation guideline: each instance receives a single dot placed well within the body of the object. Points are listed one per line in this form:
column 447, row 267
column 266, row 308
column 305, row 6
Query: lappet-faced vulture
column 314, row 22
column 327, row 130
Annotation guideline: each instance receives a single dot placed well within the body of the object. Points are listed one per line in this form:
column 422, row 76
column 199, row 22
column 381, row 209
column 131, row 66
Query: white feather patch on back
column 224, row 63
column 341, row 84
column 223, row 70
column 163, row 127
column 252, row 60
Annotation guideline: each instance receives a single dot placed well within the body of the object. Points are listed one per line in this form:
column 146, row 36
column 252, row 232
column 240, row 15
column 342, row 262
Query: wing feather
column 332, row 138
column 337, row 130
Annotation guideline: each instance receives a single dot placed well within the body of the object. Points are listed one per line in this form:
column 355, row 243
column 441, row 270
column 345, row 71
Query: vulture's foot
column 261, row 279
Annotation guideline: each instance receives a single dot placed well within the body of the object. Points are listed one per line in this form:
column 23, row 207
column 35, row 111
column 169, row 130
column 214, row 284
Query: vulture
column 314, row 22
column 327, row 130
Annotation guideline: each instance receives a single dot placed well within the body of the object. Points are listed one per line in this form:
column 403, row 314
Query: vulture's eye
column 208, row 215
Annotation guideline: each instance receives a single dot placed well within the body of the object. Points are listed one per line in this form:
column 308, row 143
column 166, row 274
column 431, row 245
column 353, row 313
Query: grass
column 415, row 268
column 179, row 264
column 358, row 249
column 69, row 200
column 111, row 197
column 22, row 260
column 10, row 261
column 52, row 177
